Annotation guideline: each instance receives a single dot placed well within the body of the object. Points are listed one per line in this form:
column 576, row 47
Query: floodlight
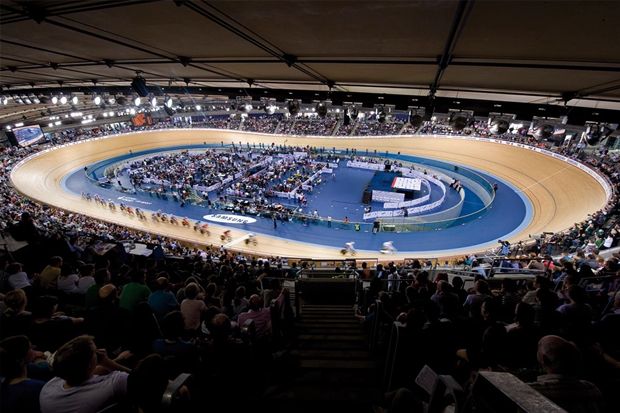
column 293, row 107
column 270, row 109
column 198, row 107
column 136, row 101
column 121, row 100
column 97, row 100
column 153, row 101
column 44, row 99
column 321, row 109
column 74, row 99
column 168, row 101
column 498, row 126
column 5, row 100
column 458, row 121
column 63, row 100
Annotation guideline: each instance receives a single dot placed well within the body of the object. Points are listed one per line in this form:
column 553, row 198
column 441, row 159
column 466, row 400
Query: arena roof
column 538, row 54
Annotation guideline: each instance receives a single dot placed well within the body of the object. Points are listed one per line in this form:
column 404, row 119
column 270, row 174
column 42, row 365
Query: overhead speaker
column 293, row 107
column 499, row 127
column 381, row 115
column 321, row 109
column 353, row 112
column 458, row 122
column 139, row 86
column 416, row 121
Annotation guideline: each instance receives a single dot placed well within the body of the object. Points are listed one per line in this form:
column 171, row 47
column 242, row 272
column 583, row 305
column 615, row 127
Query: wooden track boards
column 561, row 194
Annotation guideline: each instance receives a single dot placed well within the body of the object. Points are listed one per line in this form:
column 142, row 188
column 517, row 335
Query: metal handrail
column 390, row 362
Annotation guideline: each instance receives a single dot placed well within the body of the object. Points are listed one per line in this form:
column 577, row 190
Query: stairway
column 327, row 366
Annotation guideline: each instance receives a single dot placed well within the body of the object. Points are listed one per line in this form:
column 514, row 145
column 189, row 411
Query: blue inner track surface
column 509, row 214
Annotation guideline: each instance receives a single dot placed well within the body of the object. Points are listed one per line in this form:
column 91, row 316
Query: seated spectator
column 101, row 276
column 148, row 382
column 107, row 322
column 474, row 301
column 239, row 303
column 68, row 280
column 87, row 278
column 184, row 354
column 18, row 279
column 522, row 339
column 161, row 300
column 447, row 301
column 15, row 319
column 86, row 381
column 457, row 284
column 546, row 319
column 509, row 296
column 192, row 309
column 19, row 393
column 143, row 330
column 577, row 314
column 51, row 329
column 136, row 291
column 562, row 362
column 50, row 274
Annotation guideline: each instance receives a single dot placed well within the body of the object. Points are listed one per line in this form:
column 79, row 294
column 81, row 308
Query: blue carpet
column 342, row 198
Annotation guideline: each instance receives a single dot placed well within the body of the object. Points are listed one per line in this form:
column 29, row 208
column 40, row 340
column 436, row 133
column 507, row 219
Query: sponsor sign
column 229, row 219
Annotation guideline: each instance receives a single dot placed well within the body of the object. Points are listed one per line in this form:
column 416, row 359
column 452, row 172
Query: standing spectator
column 474, row 301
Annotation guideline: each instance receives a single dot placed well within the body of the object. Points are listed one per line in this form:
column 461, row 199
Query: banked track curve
column 561, row 194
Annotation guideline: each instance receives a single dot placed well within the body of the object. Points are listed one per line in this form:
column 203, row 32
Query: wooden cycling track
column 560, row 193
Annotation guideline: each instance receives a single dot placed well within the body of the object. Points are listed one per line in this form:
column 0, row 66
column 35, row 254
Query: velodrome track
column 560, row 194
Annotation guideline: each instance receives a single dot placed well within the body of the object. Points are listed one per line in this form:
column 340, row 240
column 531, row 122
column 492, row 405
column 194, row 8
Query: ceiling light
column 121, row 100
column 35, row 99
column 74, row 99
column 105, row 114
column 97, row 100
column 197, row 107
column 111, row 100
column 5, row 100
column 50, row 125
column 293, row 107
column 63, row 100
column 168, row 101
column 270, row 109
column 55, row 100
column 132, row 111
column 111, row 114
column 321, row 109
column 154, row 101
column 137, row 101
